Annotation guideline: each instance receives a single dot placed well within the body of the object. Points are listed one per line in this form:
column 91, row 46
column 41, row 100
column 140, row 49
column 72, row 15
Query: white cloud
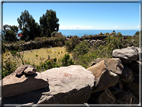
column 138, row 26
column 115, row 27
column 75, row 27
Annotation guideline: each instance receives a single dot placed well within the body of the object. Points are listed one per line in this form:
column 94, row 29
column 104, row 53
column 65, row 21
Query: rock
column 13, row 85
column 113, row 64
column 125, row 97
column 27, row 69
column 120, row 84
column 100, row 42
column 127, row 55
column 134, row 88
column 115, row 90
column 92, row 42
column 135, row 65
column 20, row 70
column 127, row 75
column 103, row 77
column 30, row 70
column 26, row 98
column 94, row 98
column 106, row 97
column 139, row 50
column 67, row 85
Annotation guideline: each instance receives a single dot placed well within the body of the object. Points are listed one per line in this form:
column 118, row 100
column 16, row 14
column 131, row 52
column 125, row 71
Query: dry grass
column 38, row 55
column 35, row 55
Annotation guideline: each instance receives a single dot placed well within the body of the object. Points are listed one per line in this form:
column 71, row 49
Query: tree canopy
column 30, row 29
column 9, row 33
column 49, row 23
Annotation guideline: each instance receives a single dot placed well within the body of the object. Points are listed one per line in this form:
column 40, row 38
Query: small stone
column 30, row 71
column 20, row 69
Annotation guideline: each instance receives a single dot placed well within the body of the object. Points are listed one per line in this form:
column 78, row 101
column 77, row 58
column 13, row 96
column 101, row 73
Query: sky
column 99, row 16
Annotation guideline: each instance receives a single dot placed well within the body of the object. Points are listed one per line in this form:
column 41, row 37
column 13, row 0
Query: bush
column 53, row 33
column 3, row 48
column 119, row 34
column 9, row 66
column 13, row 52
column 66, row 61
column 49, row 63
column 81, row 49
column 137, row 33
column 71, row 43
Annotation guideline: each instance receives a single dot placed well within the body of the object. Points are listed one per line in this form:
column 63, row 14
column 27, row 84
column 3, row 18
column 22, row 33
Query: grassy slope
column 42, row 53
column 55, row 52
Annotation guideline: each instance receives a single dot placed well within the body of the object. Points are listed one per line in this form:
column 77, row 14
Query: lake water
column 80, row 33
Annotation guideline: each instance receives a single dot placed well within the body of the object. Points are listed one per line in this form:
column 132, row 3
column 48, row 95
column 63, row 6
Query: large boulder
column 15, row 85
column 103, row 77
column 67, row 85
column 113, row 64
column 127, row 55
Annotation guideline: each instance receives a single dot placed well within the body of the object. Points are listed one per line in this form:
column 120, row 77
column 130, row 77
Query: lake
column 80, row 33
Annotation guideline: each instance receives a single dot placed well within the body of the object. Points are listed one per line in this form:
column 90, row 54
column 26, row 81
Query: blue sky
column 79, row 15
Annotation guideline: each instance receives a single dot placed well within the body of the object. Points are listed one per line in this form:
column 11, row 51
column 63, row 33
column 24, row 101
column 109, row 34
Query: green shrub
column 53, row 33
column 9, row 66
column 71, row 43
column 119, row 34
column 137, row 33
column 49, row 63
column 13, row 52
column 66, row 61
column 3, row 48
column 81, row 49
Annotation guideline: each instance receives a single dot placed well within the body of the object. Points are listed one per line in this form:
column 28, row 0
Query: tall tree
column 49, row 23
column 9, row 33
column 28, row 26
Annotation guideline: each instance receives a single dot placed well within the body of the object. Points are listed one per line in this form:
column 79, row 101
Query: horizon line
column 99, row 29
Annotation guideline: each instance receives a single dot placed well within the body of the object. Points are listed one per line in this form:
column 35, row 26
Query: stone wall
column 106, row 81
column 36, row 44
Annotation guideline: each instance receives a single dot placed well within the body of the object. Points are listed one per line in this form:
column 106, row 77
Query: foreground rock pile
column 106, row 81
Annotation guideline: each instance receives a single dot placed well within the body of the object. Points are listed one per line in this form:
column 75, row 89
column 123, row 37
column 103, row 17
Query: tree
column 9, row 33
column 28, row 26
column 49, row 23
